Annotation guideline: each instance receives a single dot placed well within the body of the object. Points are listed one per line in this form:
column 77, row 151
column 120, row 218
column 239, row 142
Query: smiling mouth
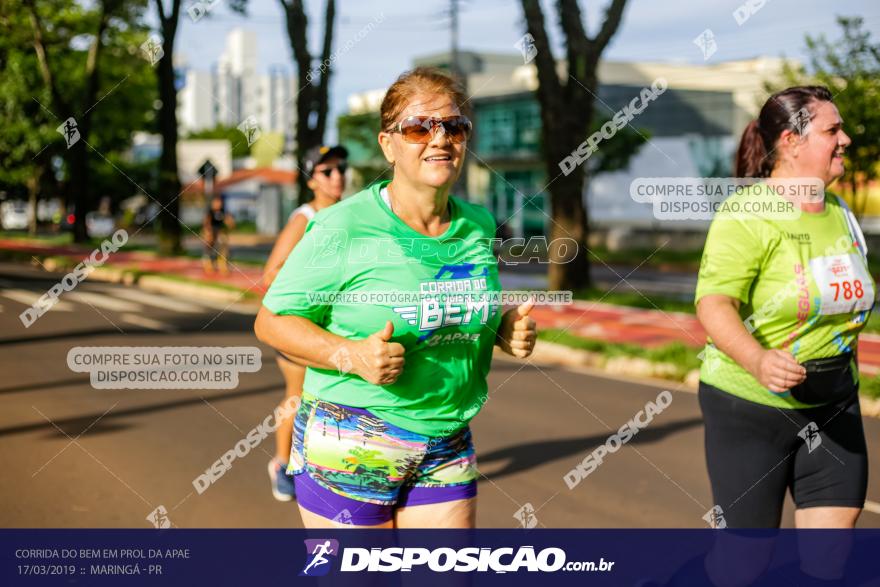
column 438, row 158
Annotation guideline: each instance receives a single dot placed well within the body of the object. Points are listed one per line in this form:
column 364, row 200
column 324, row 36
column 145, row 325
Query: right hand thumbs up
column 379, row 361
column 387, row 332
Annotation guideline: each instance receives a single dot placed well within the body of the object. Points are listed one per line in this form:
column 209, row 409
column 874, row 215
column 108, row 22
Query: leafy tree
column 72, row 76
column 56, row 42
column 235, row 137
column 27, row 131
column 358, row 133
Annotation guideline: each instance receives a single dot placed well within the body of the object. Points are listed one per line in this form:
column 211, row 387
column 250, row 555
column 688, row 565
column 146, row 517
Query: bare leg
column 461, row 513
column 293, row 380
column 311, row 520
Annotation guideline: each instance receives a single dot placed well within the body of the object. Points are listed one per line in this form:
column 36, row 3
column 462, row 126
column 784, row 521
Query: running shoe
column 282, row 483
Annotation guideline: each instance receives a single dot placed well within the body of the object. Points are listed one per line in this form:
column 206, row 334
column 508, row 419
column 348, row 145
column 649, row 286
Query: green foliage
column 617, row 151
column 236, row 138
column 28, row 117
column 870, row 386
column 358, row 133
column 682, row 356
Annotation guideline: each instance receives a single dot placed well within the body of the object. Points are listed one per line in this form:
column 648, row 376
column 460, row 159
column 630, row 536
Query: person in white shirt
column 326, row 168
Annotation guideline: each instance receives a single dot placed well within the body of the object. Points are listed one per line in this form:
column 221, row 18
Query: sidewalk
column 619, row 324
column 243, row 277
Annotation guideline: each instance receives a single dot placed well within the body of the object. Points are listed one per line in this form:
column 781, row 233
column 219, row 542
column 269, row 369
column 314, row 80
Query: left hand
column 518, row 332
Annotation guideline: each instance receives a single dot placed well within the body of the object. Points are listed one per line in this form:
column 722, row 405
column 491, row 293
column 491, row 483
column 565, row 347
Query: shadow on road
column 182, row 325
column 75, row 426
column 525, row 456
column 43, row 385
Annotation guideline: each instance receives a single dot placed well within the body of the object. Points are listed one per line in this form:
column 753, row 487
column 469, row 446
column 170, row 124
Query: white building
column 233, row 90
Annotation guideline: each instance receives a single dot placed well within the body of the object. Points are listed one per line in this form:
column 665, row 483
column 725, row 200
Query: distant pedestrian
column 215, row 235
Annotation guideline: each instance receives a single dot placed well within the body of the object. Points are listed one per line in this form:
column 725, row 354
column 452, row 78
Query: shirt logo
column 456, row 296
column 801, row 237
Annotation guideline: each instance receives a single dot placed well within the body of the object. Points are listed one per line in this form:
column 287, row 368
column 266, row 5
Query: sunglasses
column 328, row 171
column 420, row 129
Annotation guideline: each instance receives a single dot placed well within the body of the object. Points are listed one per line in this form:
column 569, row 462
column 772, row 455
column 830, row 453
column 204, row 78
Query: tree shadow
column 525, row 456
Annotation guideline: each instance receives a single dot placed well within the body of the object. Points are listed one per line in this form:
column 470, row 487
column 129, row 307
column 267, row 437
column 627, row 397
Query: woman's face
column 819, row 153
column 331, row 186
column 436, row 164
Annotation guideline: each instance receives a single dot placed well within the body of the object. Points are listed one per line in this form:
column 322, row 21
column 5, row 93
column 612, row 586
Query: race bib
column 844, row 284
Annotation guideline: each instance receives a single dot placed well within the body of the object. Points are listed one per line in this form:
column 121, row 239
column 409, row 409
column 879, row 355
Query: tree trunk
column 78, row 186
column 569, row 221
column 169, row 181
column 33, row 185
column 313, row 85
column 561, row 135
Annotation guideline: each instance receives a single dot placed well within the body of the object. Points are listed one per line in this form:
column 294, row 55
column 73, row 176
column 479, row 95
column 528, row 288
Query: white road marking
column 166, row 302
column 147, row 322
column 105, row 301
column 872, row 506
column 28, row 298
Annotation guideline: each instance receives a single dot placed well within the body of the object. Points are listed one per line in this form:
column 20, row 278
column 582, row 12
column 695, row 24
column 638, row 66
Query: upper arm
column 289, row 236
column 315, row 266
column 732, row 258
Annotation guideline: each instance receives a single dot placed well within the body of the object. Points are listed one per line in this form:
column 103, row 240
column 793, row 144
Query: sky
column 651, row 30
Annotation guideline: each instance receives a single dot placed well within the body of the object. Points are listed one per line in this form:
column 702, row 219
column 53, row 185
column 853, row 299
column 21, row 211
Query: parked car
column 14, row 215
column 100, row 225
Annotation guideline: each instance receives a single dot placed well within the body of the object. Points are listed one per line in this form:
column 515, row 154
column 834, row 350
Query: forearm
column 719, row 315
column 300, row 339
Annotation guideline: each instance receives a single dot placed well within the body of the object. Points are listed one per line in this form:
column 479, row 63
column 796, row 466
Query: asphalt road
column 75, row 456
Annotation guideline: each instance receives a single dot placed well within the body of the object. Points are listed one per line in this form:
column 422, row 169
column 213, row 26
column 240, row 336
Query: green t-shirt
column 802, row 282
column 361, row 248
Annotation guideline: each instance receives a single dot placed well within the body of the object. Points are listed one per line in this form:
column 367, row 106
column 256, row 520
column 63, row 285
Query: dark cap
column 317, row 155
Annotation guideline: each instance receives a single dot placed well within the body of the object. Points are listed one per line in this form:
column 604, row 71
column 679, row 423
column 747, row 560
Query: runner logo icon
column 318, row 553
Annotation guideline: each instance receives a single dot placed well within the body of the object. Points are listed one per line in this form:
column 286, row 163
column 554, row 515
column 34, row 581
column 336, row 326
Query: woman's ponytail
column 751, row 156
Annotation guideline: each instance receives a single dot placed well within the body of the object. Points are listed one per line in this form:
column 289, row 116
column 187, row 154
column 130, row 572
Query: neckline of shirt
column 454, row 214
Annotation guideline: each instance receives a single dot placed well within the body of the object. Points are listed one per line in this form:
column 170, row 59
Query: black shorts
column 754, row 452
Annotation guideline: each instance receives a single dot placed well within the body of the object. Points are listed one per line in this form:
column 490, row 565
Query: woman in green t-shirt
column 783, row 299
column 390, row 300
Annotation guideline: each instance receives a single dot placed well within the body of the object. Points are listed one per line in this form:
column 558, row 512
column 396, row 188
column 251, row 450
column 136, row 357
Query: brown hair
column 421, row 80
column 756, row 155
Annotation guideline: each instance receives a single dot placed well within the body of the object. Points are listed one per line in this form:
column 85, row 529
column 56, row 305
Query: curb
column 149, row 282
column 559, row 354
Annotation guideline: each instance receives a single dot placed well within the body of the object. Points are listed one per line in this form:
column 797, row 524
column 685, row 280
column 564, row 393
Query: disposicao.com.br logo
column 441, row 560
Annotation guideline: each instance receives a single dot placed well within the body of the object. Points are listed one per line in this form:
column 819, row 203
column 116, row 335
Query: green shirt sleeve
column 731, row 259
column 315, row 266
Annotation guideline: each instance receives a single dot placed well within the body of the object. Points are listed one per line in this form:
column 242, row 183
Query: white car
column 14, row 215
column 99, row 225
